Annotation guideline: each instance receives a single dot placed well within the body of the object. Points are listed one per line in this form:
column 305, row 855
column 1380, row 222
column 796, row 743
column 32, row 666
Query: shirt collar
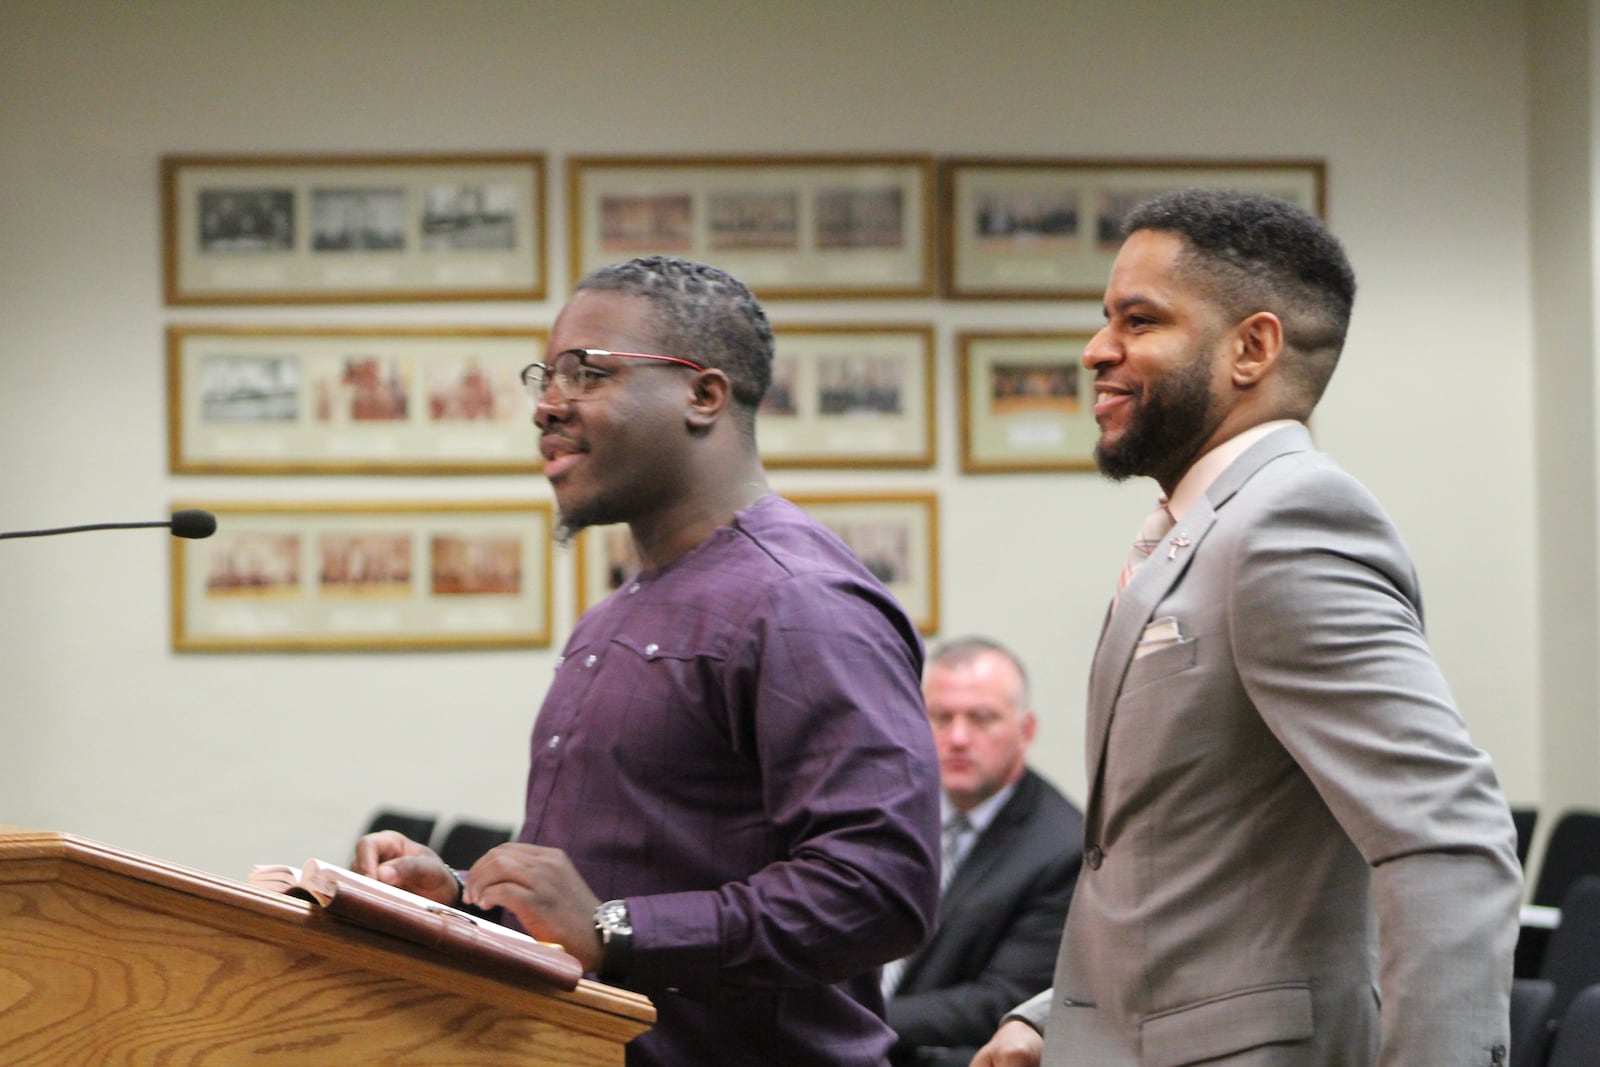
column 1209, row 467
column 981, row 816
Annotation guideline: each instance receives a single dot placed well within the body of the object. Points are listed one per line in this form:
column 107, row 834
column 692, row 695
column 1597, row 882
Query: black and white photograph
column 469, row 215
column 246, row 220
column 263, row 388
column 358, row 220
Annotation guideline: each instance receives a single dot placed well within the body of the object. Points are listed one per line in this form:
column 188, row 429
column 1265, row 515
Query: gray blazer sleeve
column 1324, row 582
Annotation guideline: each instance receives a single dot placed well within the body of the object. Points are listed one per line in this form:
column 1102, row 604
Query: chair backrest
column 1572, row 958
column 466, row 841
column 417, row 827
column 1572, row 852
column 1525, row 819
column 1530, row 1020
column 1577, row 1041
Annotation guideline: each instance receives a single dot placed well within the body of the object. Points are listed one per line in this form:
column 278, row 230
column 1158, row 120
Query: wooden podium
column 111, row 957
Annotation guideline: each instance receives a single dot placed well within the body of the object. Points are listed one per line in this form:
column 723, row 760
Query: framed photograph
column 257, row 229
column 896, row 535
column 799, row 228
column 339, row 576
column 1043, row 229
column 1027, row 402
column 849, row 396
column 364, row 400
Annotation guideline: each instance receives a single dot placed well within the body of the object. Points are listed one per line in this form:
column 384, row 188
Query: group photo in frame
column 365, row 576
column 894, row 534
column 849, row 396
column 1049, row 229
column 1026, row 402
column 265, row 229
column 815, row 227
column 350, row 400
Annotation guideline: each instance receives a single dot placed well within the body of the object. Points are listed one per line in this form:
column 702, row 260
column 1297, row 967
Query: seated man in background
column 1012, row 846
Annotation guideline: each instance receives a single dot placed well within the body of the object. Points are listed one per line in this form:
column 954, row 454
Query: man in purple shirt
column 733, row 796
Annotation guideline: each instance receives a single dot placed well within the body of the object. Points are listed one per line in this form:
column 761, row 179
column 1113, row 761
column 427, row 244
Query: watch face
column 613, row 914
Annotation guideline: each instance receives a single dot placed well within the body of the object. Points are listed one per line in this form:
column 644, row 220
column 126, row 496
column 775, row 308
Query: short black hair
column 706, row 314
column 1253, row 253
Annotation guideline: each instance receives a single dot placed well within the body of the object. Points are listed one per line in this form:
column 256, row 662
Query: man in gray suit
column 1293, row 854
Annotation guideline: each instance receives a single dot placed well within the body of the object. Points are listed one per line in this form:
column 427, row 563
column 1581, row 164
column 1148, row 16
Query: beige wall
column 219, row 761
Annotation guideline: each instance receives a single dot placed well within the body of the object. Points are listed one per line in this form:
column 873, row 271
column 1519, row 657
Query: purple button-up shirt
column 736, row 745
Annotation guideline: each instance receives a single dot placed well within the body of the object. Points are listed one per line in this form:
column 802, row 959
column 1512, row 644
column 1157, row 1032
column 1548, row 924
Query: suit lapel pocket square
column 1158, row 634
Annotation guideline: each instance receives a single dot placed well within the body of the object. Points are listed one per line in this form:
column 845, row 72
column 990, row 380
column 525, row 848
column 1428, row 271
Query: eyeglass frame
column 546, row 375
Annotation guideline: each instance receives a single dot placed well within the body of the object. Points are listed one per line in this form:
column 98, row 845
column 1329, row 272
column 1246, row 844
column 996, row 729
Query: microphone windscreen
column 192, row 522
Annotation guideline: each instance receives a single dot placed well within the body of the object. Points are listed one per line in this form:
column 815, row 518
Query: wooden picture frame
column 350, row 400
column 279, row 577
column 1048, row 229
column 1026, row 402
column 281, row 229
column 849, row 396
column 896, row 534
column 802, row 227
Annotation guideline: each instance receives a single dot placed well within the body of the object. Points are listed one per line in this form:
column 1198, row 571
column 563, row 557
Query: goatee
column 1169, row 422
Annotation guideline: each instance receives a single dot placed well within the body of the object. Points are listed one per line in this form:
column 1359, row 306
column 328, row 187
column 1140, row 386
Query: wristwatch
column 611, row 922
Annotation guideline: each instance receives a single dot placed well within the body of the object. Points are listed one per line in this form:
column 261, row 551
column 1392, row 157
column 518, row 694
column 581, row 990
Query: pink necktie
column 1151, row 531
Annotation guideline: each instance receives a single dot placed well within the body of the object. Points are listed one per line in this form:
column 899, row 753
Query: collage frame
column 791, row 228
column 369, row 576
column 900, row 528
column 850, row 395
column 1026, row 401
column 297, row 229
column 1015, row 228
column 350, row 399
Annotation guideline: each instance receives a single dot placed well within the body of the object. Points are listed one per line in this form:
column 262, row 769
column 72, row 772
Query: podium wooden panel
column 111, row 957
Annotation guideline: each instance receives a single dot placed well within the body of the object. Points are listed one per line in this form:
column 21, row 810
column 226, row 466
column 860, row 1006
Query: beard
column 1170, row 422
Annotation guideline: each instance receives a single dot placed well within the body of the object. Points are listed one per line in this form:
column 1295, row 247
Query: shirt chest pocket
column 672, row 691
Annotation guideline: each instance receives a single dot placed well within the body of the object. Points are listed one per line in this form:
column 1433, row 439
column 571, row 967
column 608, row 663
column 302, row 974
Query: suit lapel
column 989, row 849
column 1136, row 605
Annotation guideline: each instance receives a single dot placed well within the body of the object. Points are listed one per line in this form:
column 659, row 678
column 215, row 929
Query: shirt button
column 554, row 741
column 634, row 588
column 651, row 649
column 1094, row 857
column 591, row 660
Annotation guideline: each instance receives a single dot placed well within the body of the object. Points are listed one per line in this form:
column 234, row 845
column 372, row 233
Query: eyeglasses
column 575, row 377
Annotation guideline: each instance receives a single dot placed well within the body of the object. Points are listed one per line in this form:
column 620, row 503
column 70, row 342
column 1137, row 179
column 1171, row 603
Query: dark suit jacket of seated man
column 1000, row 923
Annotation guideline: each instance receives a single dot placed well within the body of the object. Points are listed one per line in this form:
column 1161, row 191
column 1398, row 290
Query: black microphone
column 188, row 522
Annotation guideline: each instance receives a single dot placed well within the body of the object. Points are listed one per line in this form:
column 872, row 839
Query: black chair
column 1577, row 1042
column 1525, row 819
column 465, row 841
column 1530, row 1020
column 1572, row 852
column 1572, row 960
column 417, row 827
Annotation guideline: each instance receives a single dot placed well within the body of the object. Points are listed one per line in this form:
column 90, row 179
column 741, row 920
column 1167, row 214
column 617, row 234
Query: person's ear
column 711, row 394
column 1258, row 347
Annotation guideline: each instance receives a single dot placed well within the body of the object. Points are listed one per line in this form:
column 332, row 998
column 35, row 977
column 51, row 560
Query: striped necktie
column 950, row 854
column 1151, row 531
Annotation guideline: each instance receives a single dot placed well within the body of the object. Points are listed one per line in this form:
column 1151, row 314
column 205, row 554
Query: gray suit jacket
column 1287, row 822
